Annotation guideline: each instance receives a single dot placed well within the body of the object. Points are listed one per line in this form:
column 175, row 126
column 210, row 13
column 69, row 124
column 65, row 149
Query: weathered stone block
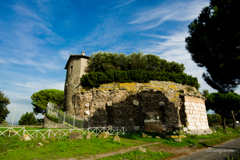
column 86, row 105
column 153, row 126
column 103, row 135
column 109, row 103
column 135, row 102
column 75, row 136
column 161, row 103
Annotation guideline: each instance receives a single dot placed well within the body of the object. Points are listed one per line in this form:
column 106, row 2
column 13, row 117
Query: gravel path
column 218, row 152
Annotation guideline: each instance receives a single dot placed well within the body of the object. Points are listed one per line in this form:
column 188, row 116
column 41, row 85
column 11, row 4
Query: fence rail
column 113, row 130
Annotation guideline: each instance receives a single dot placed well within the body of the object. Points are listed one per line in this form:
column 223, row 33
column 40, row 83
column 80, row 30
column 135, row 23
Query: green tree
column 41, row 98
column 103, row 61
column 40, row 121
column 214, row 43
column 205, row 93
column 28, row 119
column 4, row 101
column 214, row 119
column 223, row 103
column 5, row 123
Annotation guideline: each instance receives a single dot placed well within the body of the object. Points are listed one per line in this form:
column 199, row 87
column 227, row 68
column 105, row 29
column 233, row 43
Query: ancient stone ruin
column 159, row 106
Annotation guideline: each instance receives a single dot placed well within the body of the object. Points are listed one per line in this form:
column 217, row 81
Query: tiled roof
column 76, row 55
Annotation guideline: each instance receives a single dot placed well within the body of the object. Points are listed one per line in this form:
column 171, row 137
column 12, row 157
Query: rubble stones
column 182, row 136
column 144, row 135
column 75, row 136
column 116, row 138
column 89, row 135
column 178, row 140
column 103, row 135
column 141, row 149
column 25, row 137
column 40, row 144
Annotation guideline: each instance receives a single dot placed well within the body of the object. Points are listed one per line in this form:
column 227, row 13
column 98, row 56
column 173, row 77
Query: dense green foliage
column 4, row 101
column 28, row 119
column 40, row 121
column 214, row 43
column 103, row 61
column 223, row 103
column 41, row 98
column 95, row 79
column 51, row 118
column 214, row 119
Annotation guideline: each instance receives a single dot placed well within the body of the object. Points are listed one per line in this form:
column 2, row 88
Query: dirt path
column 180, row 153
column 113, row 153
column 120, row 151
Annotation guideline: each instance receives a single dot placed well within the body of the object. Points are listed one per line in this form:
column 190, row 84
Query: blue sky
column 37, row 37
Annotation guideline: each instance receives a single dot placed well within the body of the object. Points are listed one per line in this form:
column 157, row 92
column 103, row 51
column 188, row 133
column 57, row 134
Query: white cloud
column 65, row 53
column 178, row 11
column 123, row 3
column 20, row 96
column 104, row 34
column 172, row 48
column 34, row 86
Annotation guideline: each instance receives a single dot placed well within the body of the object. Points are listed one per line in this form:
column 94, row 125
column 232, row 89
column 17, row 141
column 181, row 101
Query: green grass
column 132, row 155
column 235, row 156
column 198, row 140
column 13, row 148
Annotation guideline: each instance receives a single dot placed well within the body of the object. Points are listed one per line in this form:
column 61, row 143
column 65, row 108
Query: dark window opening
column 71, row 68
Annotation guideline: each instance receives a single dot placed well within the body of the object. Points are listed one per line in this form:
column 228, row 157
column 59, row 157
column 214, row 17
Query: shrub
column 54, row 119
column 95, row 79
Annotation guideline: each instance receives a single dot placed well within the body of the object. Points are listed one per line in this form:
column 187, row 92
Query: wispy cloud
column 65, row 53
column 172, row 48
column 24, row 40
column 34, row 86
column 178, row 11
column 123, row 3
column 104, row 34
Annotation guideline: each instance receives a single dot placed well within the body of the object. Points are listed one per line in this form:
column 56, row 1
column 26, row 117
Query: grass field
column 13, row 148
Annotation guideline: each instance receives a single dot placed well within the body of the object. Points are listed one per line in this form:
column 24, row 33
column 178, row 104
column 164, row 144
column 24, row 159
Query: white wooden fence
column 20, row 131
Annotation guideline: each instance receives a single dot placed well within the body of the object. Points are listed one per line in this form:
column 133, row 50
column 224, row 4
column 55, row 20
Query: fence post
column 73, row 121
column 48, row 133
column 123, row 130
column 9, row 132
column 24, row 131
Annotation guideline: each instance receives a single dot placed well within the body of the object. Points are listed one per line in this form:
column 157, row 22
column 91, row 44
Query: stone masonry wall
column 126, row 104
column 196, row 116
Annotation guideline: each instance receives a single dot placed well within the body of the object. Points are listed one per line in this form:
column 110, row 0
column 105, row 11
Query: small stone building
column 129, row 104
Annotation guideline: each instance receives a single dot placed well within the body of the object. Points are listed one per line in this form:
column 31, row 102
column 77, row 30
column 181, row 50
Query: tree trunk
column 234, row 120
column 223, row 121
